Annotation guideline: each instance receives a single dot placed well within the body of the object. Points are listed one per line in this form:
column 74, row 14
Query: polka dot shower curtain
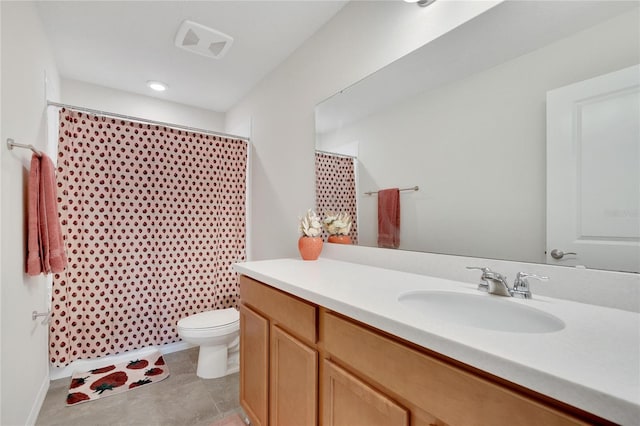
column 336, row 188
column 153, row 219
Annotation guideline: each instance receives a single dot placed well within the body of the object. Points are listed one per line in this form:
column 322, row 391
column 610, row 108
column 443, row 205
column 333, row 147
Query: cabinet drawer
column 454, row 396
column 288, row 312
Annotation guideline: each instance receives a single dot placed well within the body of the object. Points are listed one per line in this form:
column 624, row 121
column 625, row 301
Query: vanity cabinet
column 278, row 335
column 328, row 369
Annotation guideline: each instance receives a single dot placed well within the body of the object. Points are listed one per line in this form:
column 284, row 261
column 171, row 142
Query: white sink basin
column 481, row 310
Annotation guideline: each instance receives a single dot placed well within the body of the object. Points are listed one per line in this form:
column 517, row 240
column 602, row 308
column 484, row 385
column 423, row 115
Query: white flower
column 310, row 225
column 312, row 232
column 339, row 224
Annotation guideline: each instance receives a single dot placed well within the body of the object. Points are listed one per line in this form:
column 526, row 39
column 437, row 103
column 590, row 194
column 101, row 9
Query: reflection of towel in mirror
column 45, row 246
column 389, row 218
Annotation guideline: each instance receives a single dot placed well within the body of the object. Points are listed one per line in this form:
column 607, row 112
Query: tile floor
column 181, row 399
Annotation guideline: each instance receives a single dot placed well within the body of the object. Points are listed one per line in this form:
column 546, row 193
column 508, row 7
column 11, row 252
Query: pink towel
column 34, row 249
column 45, row 246
column 389, row 218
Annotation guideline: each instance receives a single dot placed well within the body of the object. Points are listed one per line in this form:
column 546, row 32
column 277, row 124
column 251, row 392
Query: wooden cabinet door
column 348, row 401
column 294, row 381
column 254, row 366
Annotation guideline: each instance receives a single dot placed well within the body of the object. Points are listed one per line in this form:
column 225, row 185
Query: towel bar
column 13, row 144
column 413, row 188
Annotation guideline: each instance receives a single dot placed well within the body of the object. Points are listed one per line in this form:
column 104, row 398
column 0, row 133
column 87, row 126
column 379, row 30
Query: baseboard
column 176, row 347
column 56, row 373
column 37, row 403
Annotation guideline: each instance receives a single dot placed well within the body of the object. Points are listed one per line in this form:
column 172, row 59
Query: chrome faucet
column 483, row 285
column 496, row 283
column 521, row 285
column 492, row 282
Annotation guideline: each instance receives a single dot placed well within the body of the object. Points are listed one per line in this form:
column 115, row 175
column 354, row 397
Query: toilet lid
column 210, row 319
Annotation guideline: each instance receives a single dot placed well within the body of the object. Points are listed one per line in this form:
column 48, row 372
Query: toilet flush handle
column 47, row 316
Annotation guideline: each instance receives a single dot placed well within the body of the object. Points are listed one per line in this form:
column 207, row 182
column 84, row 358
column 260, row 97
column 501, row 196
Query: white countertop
column 593, row 363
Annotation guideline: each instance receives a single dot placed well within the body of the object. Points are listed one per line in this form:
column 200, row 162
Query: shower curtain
column 153, row 219
column 336, row 188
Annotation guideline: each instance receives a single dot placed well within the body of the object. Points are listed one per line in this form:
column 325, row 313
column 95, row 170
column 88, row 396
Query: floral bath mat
column 116, row 378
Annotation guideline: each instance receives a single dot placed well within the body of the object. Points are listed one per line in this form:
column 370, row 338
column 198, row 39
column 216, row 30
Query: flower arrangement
column 310, row 243
column 310, row 225
column 337, row 223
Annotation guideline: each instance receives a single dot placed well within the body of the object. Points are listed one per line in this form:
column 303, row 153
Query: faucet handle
column 483, row 285
column 520, row 277
column 521, row 285
column 484, row 269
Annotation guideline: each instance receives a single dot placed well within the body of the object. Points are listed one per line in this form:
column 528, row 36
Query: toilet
column 217, row 333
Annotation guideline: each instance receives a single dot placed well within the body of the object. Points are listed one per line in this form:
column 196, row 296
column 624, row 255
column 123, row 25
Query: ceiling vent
column 197, row 38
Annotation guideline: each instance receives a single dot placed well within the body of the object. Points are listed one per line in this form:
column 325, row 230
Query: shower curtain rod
column 336, row 154
column 144, row 120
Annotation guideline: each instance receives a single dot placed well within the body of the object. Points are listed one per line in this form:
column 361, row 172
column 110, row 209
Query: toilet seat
column 218, row 318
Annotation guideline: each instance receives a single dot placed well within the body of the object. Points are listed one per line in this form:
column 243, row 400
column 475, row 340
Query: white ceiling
column 122, row 44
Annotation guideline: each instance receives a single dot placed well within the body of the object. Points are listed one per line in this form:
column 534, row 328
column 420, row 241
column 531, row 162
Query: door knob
column 559, row 254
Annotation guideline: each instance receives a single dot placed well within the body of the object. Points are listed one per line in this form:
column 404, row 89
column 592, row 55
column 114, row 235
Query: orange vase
column 310, row 247
column 339, row 239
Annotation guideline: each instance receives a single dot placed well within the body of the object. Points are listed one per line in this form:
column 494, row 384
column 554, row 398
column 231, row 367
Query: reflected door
column 593, row 172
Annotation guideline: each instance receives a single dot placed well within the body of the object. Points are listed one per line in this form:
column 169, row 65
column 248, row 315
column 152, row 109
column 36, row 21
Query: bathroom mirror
column 464, row 118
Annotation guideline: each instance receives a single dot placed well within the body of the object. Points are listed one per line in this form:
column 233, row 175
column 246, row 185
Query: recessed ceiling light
column 157, row 86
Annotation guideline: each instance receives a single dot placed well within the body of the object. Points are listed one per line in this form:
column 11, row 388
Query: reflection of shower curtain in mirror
column 153, row 219
column 336, row 187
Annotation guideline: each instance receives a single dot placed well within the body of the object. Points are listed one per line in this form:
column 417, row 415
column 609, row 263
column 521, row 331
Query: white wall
column 24, row 358
column 102, row 98
column 361, row 38
column 477, row 149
